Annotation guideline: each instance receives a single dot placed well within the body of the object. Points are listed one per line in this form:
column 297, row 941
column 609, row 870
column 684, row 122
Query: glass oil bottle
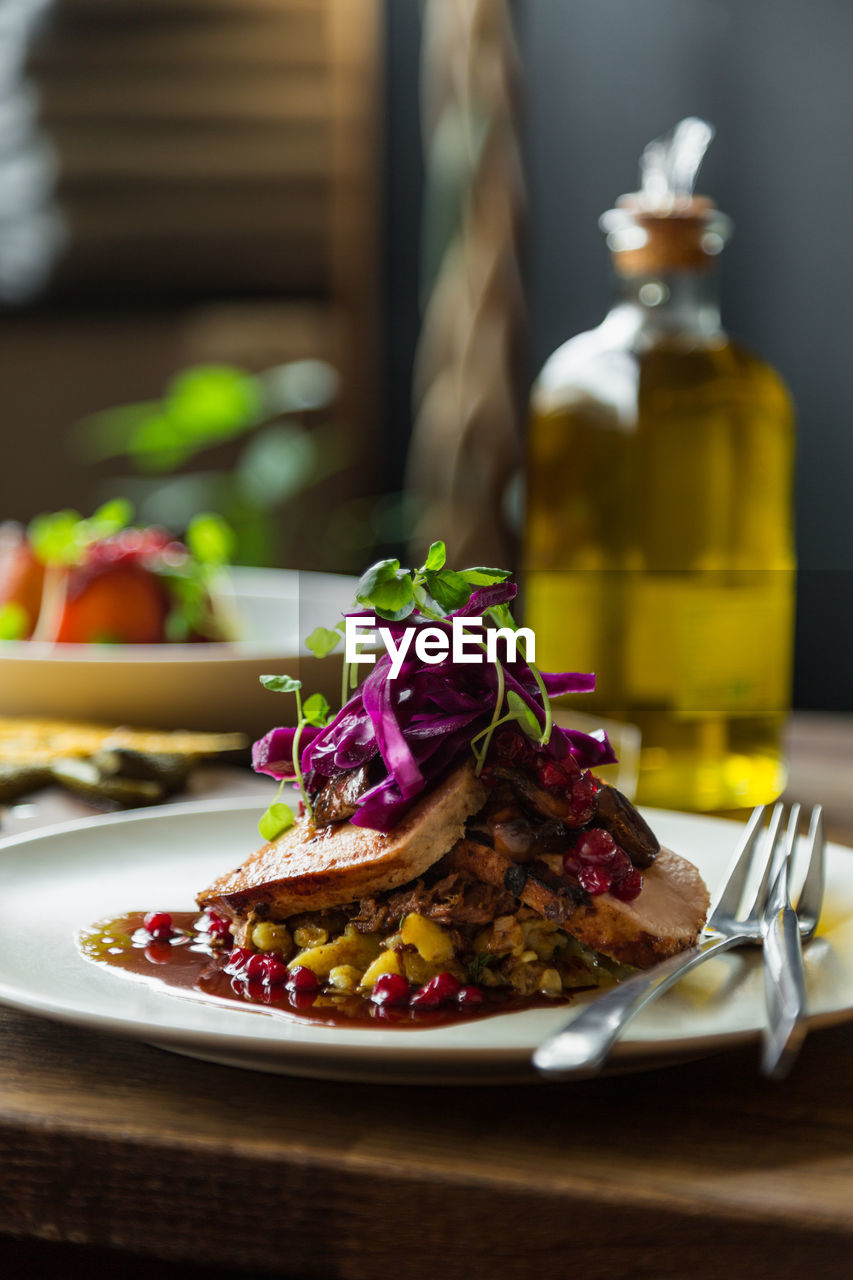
column 658, row 539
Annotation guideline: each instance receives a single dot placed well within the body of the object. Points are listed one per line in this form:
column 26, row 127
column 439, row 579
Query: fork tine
column 780, row 870
column 773, row 852
column 811, row 894
column 735, row 879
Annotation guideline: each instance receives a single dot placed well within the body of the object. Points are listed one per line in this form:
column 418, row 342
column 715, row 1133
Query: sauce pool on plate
column 183, row 956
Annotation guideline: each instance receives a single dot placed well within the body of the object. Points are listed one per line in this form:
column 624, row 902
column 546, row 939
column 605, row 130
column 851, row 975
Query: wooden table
column 122, row 1158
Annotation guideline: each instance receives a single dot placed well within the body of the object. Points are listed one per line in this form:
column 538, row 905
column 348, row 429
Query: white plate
column 187, row 686
column 63, row 879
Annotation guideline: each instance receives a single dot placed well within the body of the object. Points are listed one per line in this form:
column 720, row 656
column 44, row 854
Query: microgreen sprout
column 435, row 591
column 314, row 711
column 393, row 593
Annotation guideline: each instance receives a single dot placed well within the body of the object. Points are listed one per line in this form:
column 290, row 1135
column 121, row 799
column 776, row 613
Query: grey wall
column 602, row 78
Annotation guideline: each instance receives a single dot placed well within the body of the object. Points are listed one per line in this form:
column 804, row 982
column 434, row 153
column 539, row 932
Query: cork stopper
column 664, row 228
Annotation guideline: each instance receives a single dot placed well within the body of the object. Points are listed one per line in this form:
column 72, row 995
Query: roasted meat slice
column 308, row 869
column 666, row 918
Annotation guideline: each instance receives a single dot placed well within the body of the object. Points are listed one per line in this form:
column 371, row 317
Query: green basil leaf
column 14, row 621
column 280, row 684
column 424, row 600
column 315, row 710
column 387, row 589
column 479, row 577
column 394, row 615
column 521, row 712
column 322, row 641
column 277, row 819
column 448, row 588
column 436, row 557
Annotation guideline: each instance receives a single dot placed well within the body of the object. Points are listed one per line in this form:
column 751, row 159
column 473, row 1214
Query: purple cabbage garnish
column 421, row 723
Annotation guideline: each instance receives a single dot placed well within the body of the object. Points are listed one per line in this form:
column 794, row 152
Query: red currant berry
column 218, row 927
column 596, row 847
column 630, row 887
column 158, row 924
column 438, row 991
column 238, row 959
column 275, row 971
column 595, row 880
column 301, row 978
column 582, row 800
column 256, row 966
column 390, row 989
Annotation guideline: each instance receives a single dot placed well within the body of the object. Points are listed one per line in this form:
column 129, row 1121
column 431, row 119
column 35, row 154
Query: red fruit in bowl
column 21, row 579
column 122, row 604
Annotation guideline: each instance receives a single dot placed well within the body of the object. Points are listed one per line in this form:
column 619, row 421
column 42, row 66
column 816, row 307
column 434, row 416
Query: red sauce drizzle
column 188, row 962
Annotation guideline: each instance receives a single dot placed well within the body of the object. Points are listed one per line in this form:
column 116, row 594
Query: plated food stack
column 456, row 846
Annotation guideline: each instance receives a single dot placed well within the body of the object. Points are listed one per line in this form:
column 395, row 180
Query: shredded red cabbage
column 422, row 722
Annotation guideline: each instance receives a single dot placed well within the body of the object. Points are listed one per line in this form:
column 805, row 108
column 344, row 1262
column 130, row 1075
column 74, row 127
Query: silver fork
column 783, row 932
column 580, row 1048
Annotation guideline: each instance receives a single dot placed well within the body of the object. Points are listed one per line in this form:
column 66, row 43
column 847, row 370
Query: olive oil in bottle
column 658, row 541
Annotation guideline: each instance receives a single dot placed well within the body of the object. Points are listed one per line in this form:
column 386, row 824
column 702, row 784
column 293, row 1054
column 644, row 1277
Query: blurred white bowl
column 190, row 686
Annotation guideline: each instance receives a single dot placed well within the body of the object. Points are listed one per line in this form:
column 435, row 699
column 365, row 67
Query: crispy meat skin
column 310, row 870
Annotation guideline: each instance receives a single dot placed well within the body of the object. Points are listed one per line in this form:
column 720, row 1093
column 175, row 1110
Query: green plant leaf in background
column 110, row 518
column 14, row 621
column 210, row 539
column 202, row 406
column 54, row 537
